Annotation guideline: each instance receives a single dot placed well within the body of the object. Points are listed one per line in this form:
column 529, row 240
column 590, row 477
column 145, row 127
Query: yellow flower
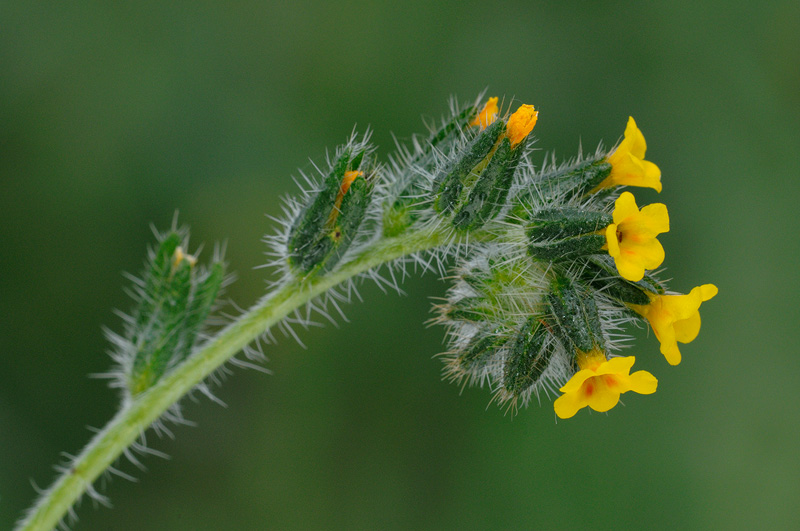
column 487, row 115
column 600, row 382
column 628, row 167
column 631, row 239
column 521, row 123
column 675, row 318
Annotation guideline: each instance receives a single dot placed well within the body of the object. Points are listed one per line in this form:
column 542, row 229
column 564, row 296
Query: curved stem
column 138, row 414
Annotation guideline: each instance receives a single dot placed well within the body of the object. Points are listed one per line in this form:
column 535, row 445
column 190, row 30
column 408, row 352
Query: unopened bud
column 324, row 230
column 447, row 186
column 176, row 298
column 528, row 357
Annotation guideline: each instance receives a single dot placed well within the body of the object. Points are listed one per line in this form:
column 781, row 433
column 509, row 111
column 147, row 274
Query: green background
column 114, row 117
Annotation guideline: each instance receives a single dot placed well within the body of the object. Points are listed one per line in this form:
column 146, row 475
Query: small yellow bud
column 521, row 124
column 487, row 115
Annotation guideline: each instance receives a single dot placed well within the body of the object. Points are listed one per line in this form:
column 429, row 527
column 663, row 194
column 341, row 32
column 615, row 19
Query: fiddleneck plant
column 550, row 265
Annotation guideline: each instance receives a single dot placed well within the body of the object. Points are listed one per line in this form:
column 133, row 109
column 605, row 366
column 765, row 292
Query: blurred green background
column 115, row 115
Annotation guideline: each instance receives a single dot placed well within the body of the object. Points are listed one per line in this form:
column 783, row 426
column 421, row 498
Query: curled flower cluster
column 551, row 264
column 549, row 313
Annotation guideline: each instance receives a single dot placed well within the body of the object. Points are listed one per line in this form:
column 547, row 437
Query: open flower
column 599, row 382
column 675, row 318
column 628, row 167
column 487, row 115
column 631, row 239
column 521, row 123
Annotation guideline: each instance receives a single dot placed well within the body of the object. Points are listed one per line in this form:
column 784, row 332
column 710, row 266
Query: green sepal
column 164, row 335
column 566, row 233
column 448, row 131
column 351, row 214
column 566, row 183
column 528, row 357
column 202, row 303
column 155, row 283
column 473, row 309
column 175, row 301
column 321, row 233
column 403, row 212
column 574, row 315
column 602, row 274
column 398, row 218
column 490, row 190
column 579, row 179
column 303, row 242
column 481, row 348
column 560, row 223
column 355, row 162
column 448, row 184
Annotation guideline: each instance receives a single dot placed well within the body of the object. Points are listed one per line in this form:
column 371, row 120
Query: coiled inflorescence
column 551, row 265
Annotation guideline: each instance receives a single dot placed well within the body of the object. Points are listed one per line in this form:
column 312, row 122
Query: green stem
column 138, row 414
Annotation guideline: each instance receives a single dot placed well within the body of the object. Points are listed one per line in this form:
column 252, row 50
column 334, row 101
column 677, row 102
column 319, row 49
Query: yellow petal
column 628, row 167
column 611, row 240
column 521, row 123
column 669, row 349
column 625, row 207
column 707, row 291
column 652, row 176
column 487, row 115
column 603, row 396
column 656, row 217
column 629, row 269
column 577, row 380
column 634, row 139
column 618, row 365
column 567, row 405
column 677, row 307
column 686, row 330
column 649, row 254
column 642, row 382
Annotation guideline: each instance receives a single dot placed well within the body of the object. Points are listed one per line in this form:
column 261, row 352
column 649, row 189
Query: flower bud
column 448, row 184
column 486, row 169
column 175, row 298
column 326, row 227
column 528, row 357
column 489, row 192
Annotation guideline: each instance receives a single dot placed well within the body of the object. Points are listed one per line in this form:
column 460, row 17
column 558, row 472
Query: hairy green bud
column 176, row 298
column 490, row 190
column 528, row 357
column 325, row 228
column 448, row 184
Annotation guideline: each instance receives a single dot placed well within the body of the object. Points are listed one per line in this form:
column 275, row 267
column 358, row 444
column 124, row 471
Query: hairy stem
column 137, row 415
